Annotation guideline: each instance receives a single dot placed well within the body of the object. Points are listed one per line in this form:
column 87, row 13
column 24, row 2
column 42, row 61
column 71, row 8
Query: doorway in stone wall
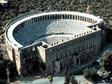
column 57, row 66
column 77, row 61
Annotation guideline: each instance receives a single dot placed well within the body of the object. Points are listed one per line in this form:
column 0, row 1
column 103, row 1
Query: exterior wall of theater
column 32, row 56
column 75, row 52
column 14, row 56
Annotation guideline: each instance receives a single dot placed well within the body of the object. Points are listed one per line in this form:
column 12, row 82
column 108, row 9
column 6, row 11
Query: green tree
column 66, row 81
column 67, row 76
column 50, row 78
column 106, row 61
column 90, row 74
column 73, row 80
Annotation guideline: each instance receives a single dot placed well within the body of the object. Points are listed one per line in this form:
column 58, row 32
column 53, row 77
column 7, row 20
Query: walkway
column 57, row 80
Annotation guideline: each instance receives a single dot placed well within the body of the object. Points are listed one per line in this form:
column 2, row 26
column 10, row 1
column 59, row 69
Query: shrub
column 90, row 74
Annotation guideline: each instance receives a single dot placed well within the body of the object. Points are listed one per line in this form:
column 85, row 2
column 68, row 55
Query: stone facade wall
column 14, row 56
column 74, row 51
column 31, row 57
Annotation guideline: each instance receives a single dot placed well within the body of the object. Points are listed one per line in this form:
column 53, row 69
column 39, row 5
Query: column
column 74, row 61
column 79, row 61
column 7, row 71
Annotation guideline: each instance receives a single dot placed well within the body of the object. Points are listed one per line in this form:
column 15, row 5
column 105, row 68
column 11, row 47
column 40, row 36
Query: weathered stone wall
column 14, row 56
column 75, row 51
column 31, row 57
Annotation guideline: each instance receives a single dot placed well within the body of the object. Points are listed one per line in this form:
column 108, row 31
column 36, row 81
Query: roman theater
column 56, row 39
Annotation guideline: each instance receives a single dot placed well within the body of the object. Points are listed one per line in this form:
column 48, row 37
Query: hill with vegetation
column 16, row 7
